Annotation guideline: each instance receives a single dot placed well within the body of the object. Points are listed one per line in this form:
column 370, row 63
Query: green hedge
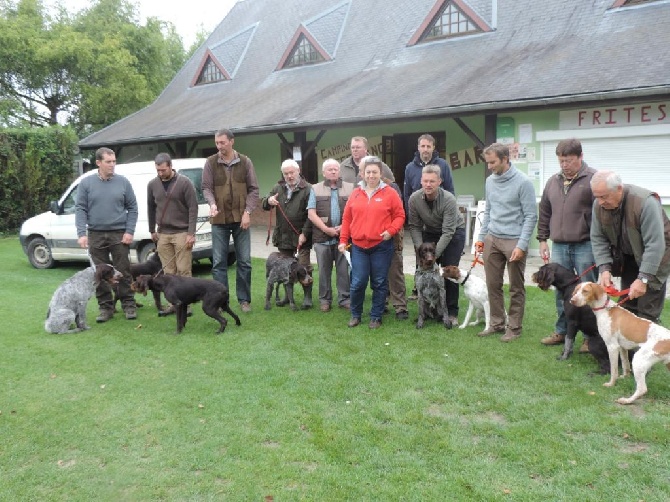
column 36, row 165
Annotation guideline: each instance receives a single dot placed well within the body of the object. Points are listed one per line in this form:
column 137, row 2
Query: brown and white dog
column 475, row 291
column 622, row 330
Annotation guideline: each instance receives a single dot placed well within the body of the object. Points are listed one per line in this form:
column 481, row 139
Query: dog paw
column 463, row 326
column 625, row 400
column 419, row 325
column 608, row 384
column 268, row 306
column 447, row 324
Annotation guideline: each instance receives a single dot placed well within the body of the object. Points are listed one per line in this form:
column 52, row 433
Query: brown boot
column 554, row 339
column 584, row 349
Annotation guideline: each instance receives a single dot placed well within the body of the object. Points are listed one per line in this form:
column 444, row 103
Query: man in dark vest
column 324, row 209
column 630, row 235
column 230, row 187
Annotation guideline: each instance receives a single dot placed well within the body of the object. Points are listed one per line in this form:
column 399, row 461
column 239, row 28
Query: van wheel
column 145, row 251
column 39, row 254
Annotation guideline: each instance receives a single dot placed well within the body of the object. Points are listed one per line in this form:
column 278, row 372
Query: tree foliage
column 88, row 69
column 36, row 165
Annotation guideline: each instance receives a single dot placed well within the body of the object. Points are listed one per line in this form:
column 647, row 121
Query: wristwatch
column 643, row 279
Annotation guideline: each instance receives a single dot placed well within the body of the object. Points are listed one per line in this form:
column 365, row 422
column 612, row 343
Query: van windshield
column 195, row 175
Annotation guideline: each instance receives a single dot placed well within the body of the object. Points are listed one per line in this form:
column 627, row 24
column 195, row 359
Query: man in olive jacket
column 293, row 230
column 630, row 224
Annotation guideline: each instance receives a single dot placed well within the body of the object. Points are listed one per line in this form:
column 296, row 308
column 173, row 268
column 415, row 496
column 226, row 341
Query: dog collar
column 596, row 309
column 467, row 276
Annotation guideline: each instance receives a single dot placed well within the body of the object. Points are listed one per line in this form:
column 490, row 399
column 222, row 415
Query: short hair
column 432, row 169
column 163, row 158
column 571, row 146
column 426, row 137
column 102, row 151
column 224, row 132
column 501, row 151
column 360, row 138
column 612, row 180
column 328, row 162
column 289, row 163
column 371, row 159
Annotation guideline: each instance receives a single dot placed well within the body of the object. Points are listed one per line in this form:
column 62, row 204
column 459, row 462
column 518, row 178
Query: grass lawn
column 296, row 406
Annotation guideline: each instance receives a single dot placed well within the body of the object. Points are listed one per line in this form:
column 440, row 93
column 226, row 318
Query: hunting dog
column 622, row 330
column 152, row 266
column 475, row 291
column 578, row 318
column 429, row 284
column 182, row 291
column 285, row 269
column 68, row 303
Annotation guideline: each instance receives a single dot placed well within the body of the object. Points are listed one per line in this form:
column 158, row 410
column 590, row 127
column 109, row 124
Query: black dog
column 284, row 269
column 152, row 266
column 429, row 283
column 182, row 291
column 578, row 318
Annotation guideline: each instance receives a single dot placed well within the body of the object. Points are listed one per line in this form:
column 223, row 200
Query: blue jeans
column 242, row 242
column 372, row 264
column 576, row 257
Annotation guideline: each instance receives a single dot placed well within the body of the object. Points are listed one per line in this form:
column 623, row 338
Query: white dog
column 475, row 291
column 622, row 330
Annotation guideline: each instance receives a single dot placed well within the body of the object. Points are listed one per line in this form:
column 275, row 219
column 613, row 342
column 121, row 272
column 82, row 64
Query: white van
column 52, row 236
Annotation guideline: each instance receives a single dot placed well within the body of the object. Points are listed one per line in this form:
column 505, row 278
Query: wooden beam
column 469, row 132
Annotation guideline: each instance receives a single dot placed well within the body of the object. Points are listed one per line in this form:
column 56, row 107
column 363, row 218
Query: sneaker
column 553, row 339
column 325, row 307
column 510, row 335
column 401, row 315
column 491, row 331
column 245, row 306
column 104, row 316
column 584, row 349
column 375, row 323
column 130, row 314
column 354, row 321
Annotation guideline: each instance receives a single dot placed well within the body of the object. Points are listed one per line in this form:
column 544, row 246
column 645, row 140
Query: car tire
column 145, row 251
column 39, row 254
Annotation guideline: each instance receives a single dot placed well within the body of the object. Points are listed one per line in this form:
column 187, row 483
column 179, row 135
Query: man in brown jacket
column 565, row 218
column 230, row 187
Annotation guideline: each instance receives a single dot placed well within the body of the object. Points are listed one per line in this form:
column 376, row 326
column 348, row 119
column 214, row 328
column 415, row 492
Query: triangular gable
column 303, row 43
column 226, row 55
column 449, row 18
column 328, row 27
column 209, row 71
column 316, row 40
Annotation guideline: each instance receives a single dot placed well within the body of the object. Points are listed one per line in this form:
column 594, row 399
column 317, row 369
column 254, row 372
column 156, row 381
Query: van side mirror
column 55, row 208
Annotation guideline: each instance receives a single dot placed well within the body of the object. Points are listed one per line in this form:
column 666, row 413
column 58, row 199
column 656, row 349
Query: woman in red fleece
column 372, row 216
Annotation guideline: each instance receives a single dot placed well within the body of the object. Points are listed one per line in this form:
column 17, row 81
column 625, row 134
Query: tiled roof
column 540, row 52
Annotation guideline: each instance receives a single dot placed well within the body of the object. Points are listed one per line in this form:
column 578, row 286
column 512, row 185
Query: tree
column 88, row 69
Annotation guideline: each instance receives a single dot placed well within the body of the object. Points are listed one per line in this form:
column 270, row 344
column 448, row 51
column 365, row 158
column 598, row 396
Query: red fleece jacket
column 365, row 219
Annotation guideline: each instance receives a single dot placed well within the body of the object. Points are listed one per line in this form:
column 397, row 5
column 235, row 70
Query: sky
column 187, row 16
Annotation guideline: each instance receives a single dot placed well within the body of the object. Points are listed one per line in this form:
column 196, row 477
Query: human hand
column 544, row 251
column 213, row 211
column 83, row 241
column 637, row 289
column 479, row 247
column 127, row 239
column 605, row 279
column 517, row 254
column 245, row 222
column 385, row 235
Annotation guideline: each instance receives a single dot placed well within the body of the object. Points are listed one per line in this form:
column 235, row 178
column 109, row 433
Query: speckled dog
column 68, row 304
column 432, row 297
column 284, row 269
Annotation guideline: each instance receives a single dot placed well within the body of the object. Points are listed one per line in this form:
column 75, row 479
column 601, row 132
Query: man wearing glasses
column 565, row 218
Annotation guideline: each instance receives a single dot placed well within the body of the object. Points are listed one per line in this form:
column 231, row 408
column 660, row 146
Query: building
column 299, row 79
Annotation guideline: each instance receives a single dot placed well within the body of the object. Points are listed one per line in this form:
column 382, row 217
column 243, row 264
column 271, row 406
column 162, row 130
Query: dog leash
column 474, row 264
column 295, row 231
column 177, row 253
column 622, row 295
